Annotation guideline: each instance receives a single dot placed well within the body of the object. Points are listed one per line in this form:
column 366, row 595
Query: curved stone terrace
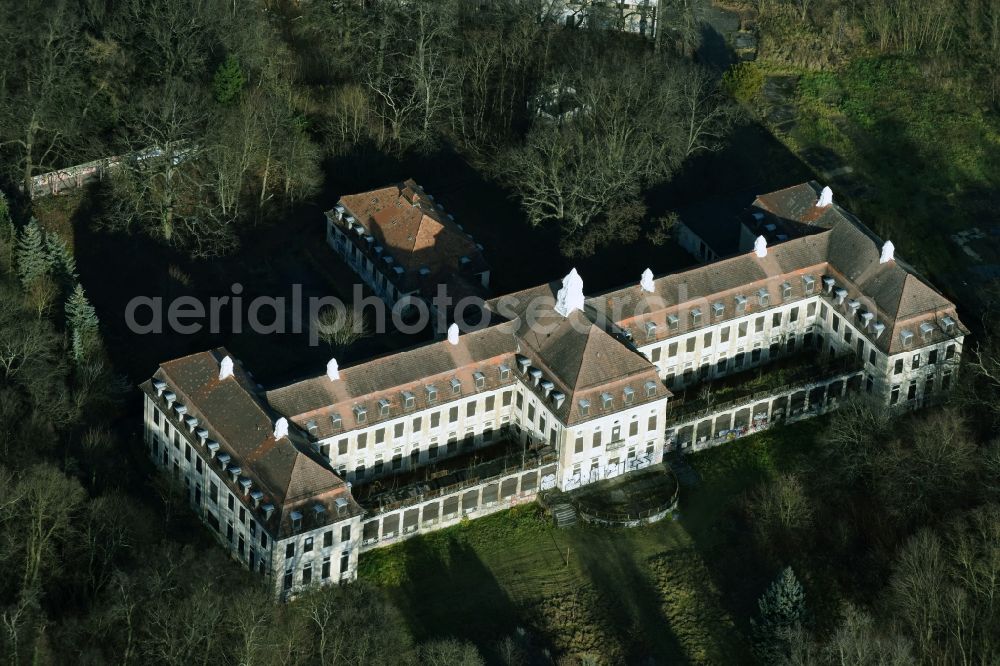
column 641, row 497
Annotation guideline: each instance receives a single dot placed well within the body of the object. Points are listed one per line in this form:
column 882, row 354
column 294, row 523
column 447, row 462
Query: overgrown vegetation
column 878, row 518
column 905, row 94
column 211, row 116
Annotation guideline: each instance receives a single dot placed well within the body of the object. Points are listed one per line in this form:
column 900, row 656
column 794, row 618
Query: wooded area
column 220, row 115
column 884, row 549
column 224, row 113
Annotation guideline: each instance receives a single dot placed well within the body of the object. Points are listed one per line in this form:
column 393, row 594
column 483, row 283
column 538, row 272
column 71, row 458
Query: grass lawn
column 624, row 594
column 616, row 595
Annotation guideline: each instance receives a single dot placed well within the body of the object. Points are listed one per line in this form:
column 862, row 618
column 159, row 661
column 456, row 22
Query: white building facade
column 554, row 390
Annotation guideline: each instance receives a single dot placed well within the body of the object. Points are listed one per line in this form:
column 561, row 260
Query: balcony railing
column 455, row 475
column 810, row 373
column 614, row 445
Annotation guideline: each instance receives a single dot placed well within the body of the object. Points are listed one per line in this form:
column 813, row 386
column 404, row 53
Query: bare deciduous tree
column 40, row 107
column 163, row 186
column 781, row 512
column 43, row 514
column 618, row 127
column 853, row 440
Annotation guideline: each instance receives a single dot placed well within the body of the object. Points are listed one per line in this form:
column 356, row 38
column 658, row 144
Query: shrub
column 744, row 81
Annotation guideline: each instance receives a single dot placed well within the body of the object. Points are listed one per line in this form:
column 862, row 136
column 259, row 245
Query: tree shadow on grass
column 450, row 592
column 631, row 606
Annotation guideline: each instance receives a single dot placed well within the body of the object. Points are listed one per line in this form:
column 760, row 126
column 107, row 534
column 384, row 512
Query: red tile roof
column 286, row 470
column 413, row 230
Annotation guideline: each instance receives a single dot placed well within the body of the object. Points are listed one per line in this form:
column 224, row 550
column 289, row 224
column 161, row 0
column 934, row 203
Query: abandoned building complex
column 556, row 390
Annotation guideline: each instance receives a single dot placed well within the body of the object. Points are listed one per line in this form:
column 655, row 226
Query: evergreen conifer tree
column 228, row 81
column 780, row 609
column 32, row 255
column 81, row 318
column 61, row 261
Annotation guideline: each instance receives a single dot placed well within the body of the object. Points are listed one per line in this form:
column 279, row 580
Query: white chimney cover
column 281, row 428
column 333, row 370
column 647, row 281
column 226, row 368
column 760, row 246
column 453, row 333
column 570, row 297
column 888, row 249
column 825, row 198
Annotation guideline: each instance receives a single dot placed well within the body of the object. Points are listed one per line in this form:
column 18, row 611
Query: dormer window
column 841, row 294
column 607, row 400
column 763, row 297
column 383, row 407
column 504, row 373
column 629, row 395
column 432, row 394
column 584, row 407
column 456, row 386
column 926, row 329
column 878, row 328
column 854, row 304
column 336, row 421
column 296, row 521
column 906, row 337
column 650, row 330
column 409, row 400
column 312, row 427
column 672, row 322
column 360, row 414
column 786, row 290
column 808, row 283
column 480, row 379
column 741, row 304
column 947, row 324
column 523, row 363
column 696, row 317
column 828, row 283
column 650, row 389
column 718, row 309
